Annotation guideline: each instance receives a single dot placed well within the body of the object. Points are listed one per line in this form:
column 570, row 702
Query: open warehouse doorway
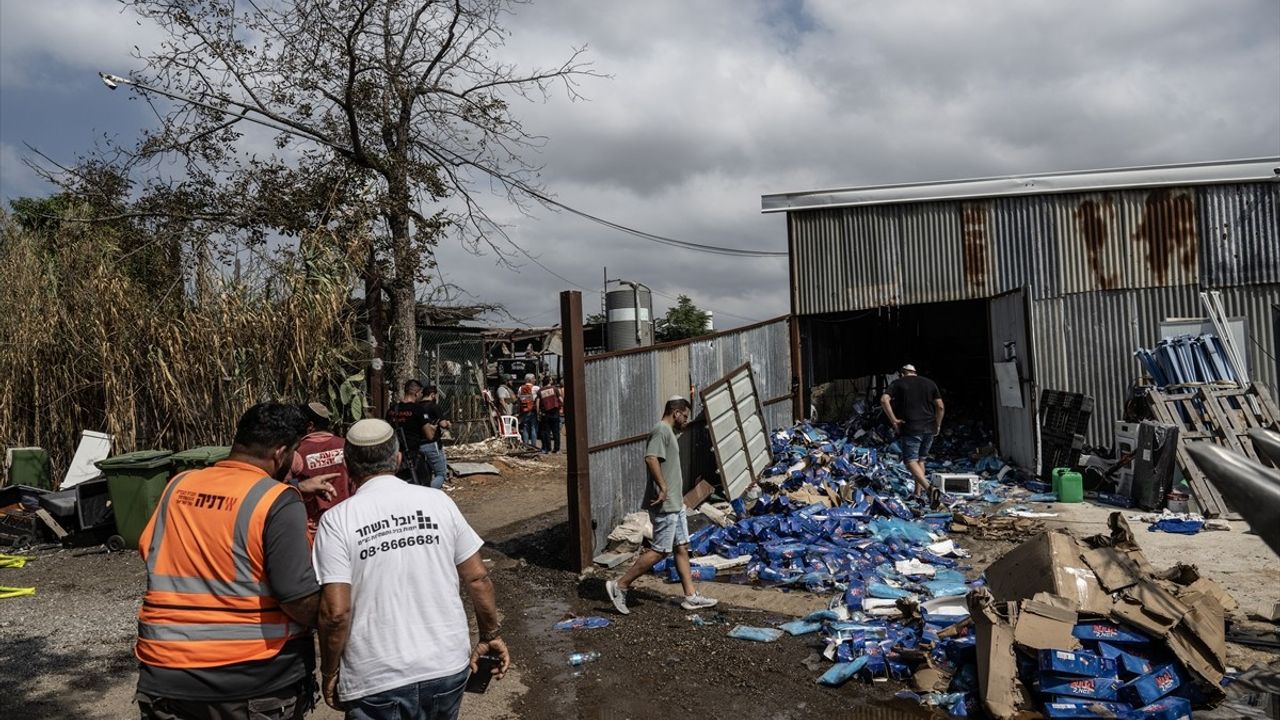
column 960, row 345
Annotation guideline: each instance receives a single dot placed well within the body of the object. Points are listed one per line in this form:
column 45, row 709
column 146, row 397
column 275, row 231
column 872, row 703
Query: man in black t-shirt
column 433, row 450
column 914, row 407
column 409, row 418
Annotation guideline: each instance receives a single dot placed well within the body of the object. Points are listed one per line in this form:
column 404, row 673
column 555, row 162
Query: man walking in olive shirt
column 664, row 499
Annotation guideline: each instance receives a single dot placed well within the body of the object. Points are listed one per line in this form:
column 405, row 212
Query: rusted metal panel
column 873, row 256
column 617, row 487
column 1240, row 234
column 625, row 393
column 622, row 393
column 1085, row 342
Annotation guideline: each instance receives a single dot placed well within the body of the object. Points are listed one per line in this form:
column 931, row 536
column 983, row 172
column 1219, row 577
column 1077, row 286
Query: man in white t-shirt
column 393, row 632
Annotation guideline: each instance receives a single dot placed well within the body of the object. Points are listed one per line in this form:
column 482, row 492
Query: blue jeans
column 915, row 447
column 433, row 455
column 438, row 699
column 529, row 428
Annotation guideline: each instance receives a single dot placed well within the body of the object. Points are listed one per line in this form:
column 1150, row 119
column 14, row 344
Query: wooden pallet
column 1222, row 416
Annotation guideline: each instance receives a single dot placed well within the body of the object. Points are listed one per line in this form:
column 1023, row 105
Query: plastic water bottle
column 582, row 658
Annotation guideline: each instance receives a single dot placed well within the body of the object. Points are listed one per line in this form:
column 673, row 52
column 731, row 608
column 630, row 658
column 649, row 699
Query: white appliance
column 962, row 484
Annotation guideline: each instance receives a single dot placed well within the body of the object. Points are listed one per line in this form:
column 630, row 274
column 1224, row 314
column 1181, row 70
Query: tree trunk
column 404, row 320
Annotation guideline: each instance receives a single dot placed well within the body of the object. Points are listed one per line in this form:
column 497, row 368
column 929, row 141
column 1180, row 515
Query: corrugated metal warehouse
column 1065, row 274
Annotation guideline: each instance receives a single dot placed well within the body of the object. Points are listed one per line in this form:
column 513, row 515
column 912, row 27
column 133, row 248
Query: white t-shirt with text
column 398, row 546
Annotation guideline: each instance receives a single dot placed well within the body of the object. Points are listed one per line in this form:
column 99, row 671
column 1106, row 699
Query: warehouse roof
column 1206, row 173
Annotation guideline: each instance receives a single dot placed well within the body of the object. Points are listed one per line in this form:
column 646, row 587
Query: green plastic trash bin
column 198, row 457
column 135, row 482
column 29, row 466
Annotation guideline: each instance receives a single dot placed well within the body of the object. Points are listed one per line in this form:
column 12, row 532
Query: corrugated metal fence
column 625, row 393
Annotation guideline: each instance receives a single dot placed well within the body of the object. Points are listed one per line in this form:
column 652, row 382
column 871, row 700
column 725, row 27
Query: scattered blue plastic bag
column 1179, row 527
column 838, row 674
column 757, row 634
column 581, row 623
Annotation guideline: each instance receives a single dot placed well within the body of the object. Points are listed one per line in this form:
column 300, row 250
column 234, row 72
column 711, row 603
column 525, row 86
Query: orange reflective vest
column 527, row 397
column 208, row 602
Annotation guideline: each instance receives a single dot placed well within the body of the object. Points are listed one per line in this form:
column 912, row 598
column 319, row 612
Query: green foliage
column 683, row 320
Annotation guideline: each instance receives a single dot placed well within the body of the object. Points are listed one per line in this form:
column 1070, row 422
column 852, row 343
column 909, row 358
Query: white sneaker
column 617, row 595
column 698, row 601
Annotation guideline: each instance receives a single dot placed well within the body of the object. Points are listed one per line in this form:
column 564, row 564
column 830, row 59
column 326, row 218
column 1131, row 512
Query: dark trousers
column 289, row 703
column 438, row 699
column 549, row 426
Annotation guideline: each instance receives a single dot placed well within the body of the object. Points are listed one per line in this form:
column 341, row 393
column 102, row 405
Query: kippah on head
column 909, row 367
column 370, row 432
column 320, row 410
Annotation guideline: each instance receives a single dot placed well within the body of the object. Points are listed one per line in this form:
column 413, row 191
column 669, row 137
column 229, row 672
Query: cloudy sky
column 711, row 104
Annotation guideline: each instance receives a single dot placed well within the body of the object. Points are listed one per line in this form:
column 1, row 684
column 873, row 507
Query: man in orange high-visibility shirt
column 231, row 593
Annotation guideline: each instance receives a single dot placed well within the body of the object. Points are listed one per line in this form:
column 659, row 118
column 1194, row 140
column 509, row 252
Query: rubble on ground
column 834, row 517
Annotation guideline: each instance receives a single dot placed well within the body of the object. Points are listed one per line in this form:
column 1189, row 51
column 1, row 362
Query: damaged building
column 1044, row 282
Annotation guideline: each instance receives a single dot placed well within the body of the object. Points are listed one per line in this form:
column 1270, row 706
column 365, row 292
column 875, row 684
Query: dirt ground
column 66, row 652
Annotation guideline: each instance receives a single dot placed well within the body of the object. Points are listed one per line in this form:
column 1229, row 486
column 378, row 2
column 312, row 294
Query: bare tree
column 403, row 107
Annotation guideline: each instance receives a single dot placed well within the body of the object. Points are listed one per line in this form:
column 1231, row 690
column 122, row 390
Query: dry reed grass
column 85, row 346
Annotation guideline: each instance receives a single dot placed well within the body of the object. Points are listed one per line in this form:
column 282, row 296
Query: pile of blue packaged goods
column 898, row 583
column 835, row 517
column 1119, row 673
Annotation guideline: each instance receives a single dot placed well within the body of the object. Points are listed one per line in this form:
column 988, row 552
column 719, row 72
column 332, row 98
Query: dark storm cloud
column 712, row 104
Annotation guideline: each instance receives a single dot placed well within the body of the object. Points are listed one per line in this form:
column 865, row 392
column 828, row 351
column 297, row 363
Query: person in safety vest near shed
column 319, row 455
column 527, row 398
column 231, row 592
column 550, row 404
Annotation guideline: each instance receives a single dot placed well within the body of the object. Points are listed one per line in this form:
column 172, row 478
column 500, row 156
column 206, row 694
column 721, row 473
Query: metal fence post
column 578, row 477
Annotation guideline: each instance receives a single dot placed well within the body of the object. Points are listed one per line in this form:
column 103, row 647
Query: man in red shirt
column 319, row 454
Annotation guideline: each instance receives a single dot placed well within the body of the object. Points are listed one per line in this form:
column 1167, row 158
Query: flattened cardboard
column 1002, row 692
column 1115, row 570
column 1049, row 562
column 1045, row 623
column 698, row 494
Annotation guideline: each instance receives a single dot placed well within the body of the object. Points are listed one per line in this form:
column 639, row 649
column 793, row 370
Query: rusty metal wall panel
column 625, row 395
column 947, row 251
column 617, row 487
column 872, row 256
column 1240, row 234
column 1085, row 342
column 1023, row 231
column 622, row 392
column 673, row 375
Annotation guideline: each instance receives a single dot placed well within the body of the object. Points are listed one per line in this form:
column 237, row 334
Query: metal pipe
column 1267, row 444
column 1248, row 487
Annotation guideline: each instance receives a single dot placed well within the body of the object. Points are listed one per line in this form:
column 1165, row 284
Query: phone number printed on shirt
column 399, row 543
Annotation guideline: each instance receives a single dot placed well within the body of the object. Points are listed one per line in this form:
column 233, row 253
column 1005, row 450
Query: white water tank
column 629, row 315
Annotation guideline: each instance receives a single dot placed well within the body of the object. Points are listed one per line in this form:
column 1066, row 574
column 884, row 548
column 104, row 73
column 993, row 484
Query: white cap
column 528, row 378
column 909, row 367
column 370, row 432
column 673, row 398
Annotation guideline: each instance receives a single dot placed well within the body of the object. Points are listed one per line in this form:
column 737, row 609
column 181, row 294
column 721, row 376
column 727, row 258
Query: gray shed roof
column 1206, row 173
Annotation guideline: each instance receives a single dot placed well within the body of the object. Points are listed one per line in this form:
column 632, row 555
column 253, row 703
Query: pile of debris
column 833, row 516
column 1088, row 628
column 1065, row 626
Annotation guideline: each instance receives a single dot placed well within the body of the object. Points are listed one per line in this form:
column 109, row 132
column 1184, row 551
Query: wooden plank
column 1168, row 410
column 1228, row 434
column 53, row 524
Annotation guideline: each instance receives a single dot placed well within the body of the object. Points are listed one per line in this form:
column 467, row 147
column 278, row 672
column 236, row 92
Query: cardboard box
column 1077, row 708
column 1050, row 563
column 1103, row 631
column 1170, row 708
column 1080, row 662
column 1129, row 663
column 1146, row 689
column 1091, row 688
column 1002, row 692
column 1045, row 622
